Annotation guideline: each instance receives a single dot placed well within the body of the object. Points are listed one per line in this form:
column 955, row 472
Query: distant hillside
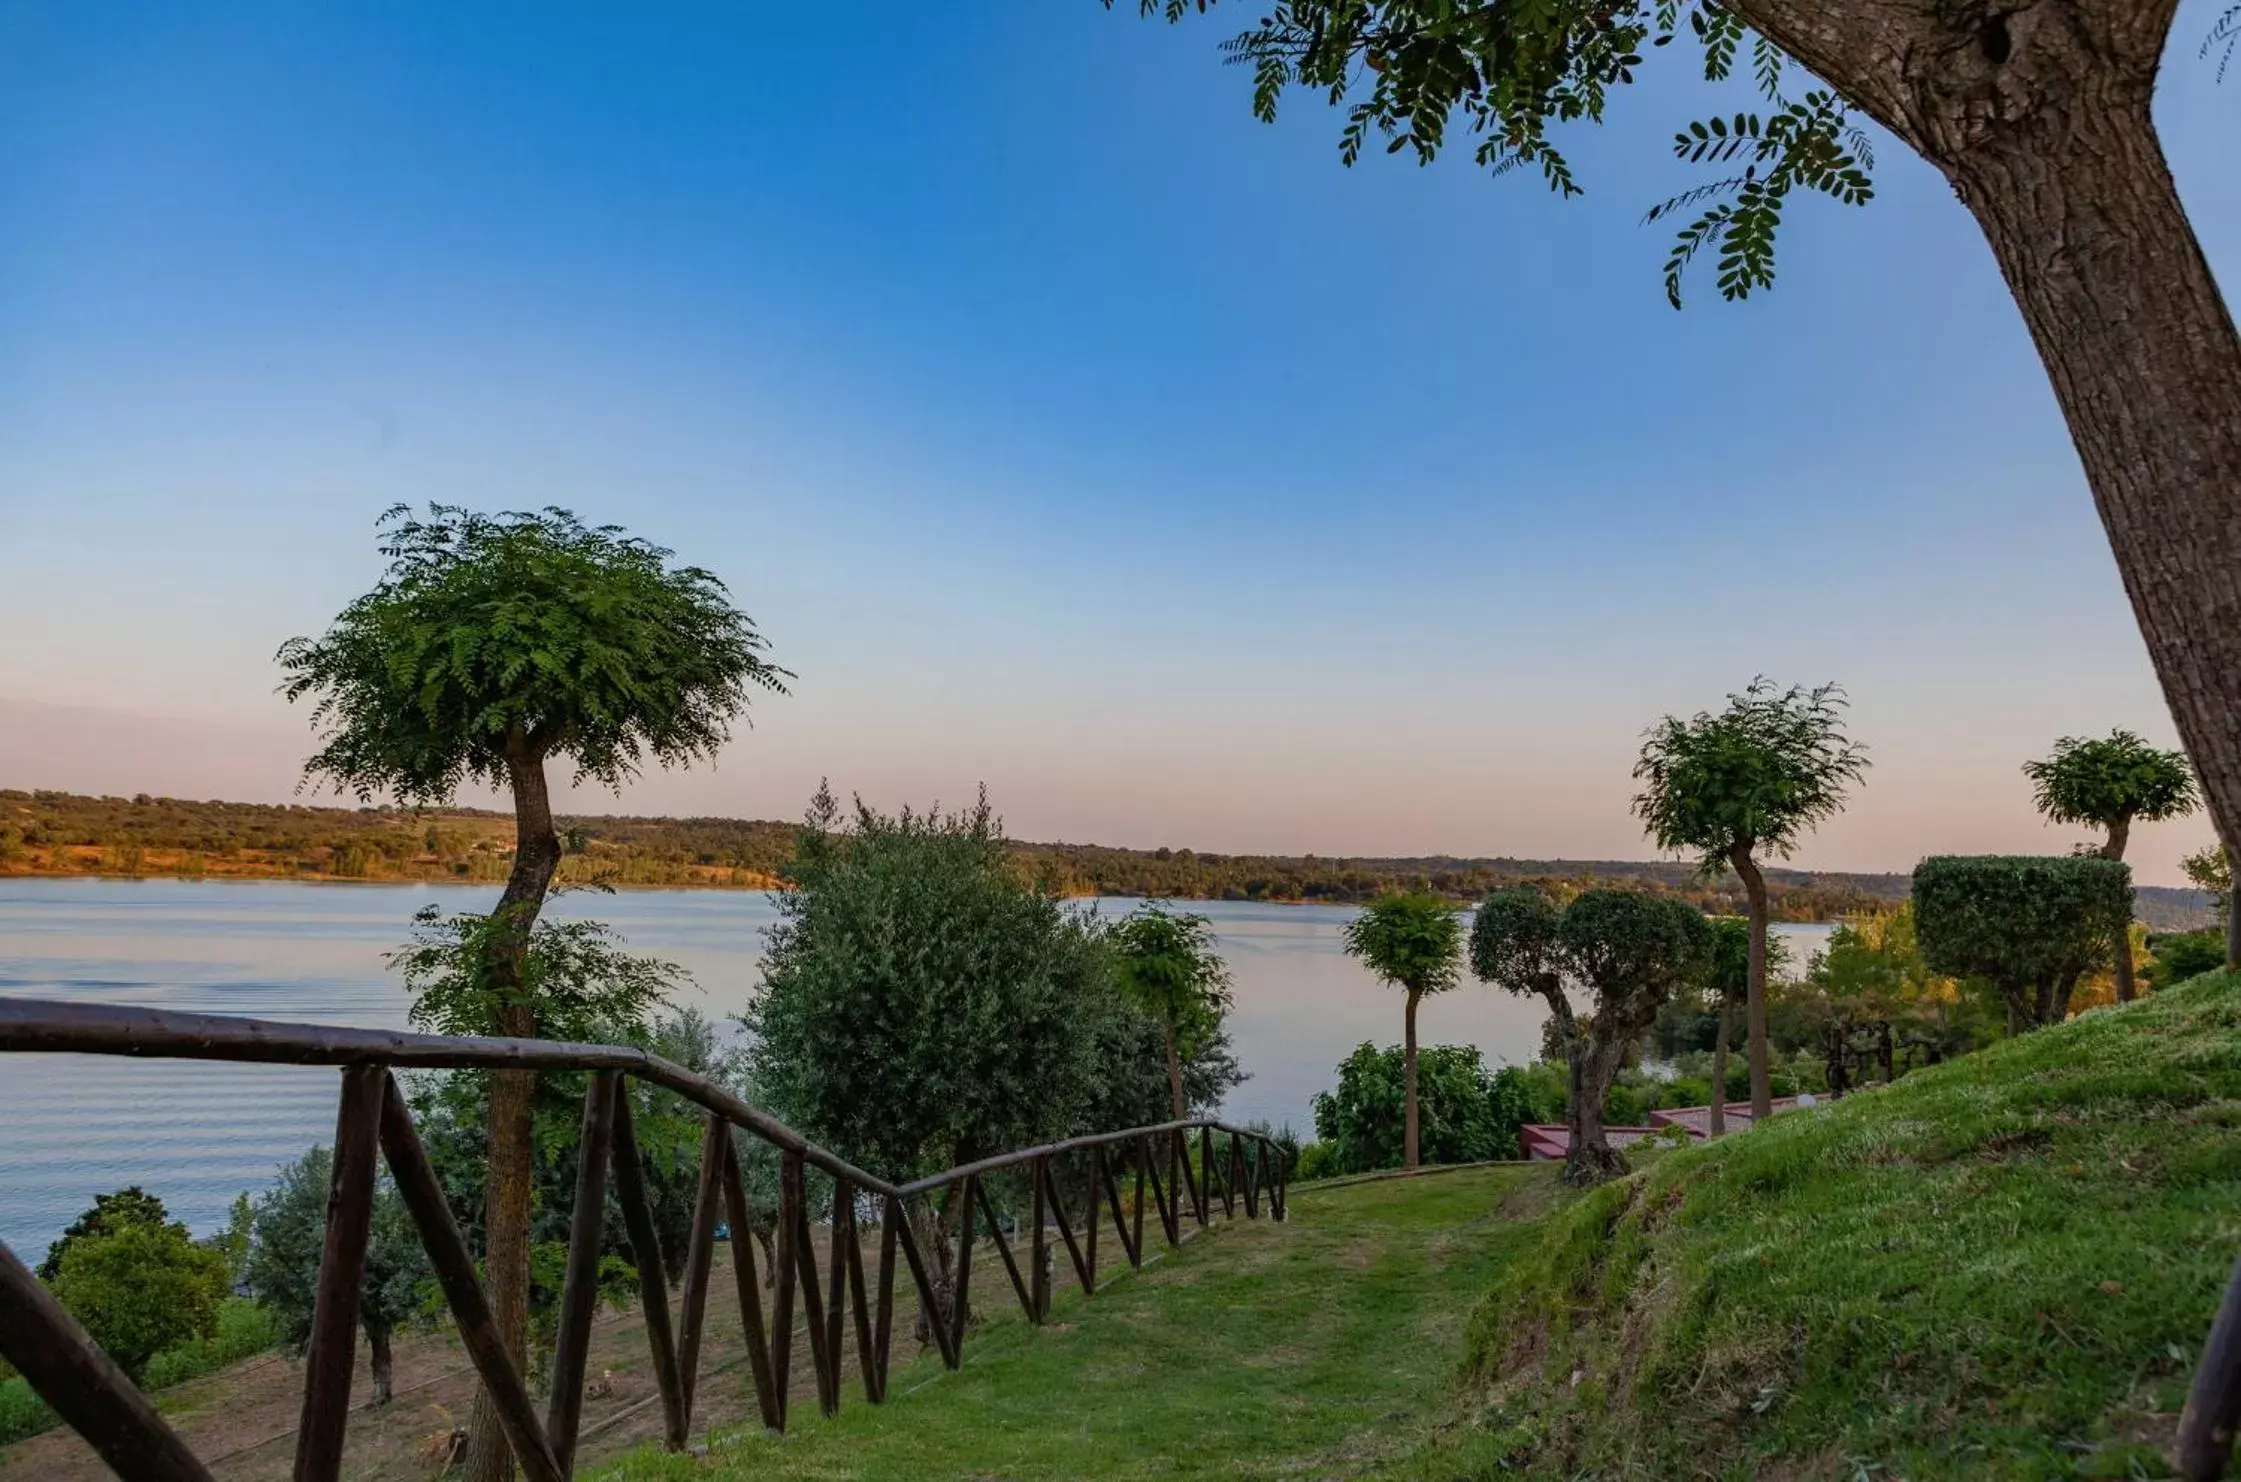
column 53, row 833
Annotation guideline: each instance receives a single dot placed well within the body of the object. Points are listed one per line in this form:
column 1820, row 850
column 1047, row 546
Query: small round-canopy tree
column 131, row 1205
column 1413, row 941
column 2031, row 925
column 1631, row 950
column 141, row 1287
column 1170, row 970
column 2112, row 784
column 492, row 645
column 1743, row 784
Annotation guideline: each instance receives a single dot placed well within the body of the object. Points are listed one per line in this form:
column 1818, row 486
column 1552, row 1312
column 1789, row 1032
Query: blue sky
column 1063, row 427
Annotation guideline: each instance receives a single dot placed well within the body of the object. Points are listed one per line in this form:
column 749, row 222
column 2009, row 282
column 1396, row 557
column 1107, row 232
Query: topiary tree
column 1169, row 969
column 1631, row 950
column 1413, row 941
column 139, row 1289
column 1468, row 1113
column 493, row 645
column 2031, row 925
column 2111, row 784
column 2038, row 115
column 287, row 1239
column 1749, row 782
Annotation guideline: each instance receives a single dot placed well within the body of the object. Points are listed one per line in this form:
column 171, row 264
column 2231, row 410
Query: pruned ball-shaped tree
column 2030, row 925
column 2112, row 783
column 1412, row 940
column 493, row 645
column 1629, row 950
column 141, row 1288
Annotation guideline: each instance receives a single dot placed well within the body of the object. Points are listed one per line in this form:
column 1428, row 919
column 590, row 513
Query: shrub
column 1466, row 1113
column 141, row 1289
column 2181, row 955
column 2031, row 925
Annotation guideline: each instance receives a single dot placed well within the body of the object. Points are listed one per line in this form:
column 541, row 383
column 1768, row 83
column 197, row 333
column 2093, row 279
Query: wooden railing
column 95, row 1398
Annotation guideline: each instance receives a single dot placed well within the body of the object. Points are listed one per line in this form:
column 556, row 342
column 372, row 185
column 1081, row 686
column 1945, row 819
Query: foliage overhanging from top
column 530, row 632
column 1406, row 70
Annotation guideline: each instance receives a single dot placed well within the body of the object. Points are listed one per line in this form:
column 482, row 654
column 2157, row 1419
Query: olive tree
column 1743, row 785
column 1170, row 969
column 2039, row 117
column 492, row 646
column 287, row 1239
column 922, row 1004
column 1413, row 941
column 2031, row 925
column 1630, row 950
column 2113, row 783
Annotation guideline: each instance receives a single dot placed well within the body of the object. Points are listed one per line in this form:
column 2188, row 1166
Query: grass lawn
column 1306, row 1349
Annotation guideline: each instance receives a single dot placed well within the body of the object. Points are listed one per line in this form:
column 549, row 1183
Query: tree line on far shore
column 44, row 832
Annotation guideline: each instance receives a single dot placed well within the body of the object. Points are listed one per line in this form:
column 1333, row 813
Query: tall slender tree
column 1414, row 941
column 2038, row 113
column 1745, row 785
column 2113, row 783
column 1170, row 969
column 493, row 645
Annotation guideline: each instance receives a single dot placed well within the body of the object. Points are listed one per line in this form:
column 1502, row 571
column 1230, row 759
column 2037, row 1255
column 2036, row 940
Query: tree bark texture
column 2038, row 113
column 1754, row 998
column 1596, row 1058
column 513, row 1096
column 1408, row 1083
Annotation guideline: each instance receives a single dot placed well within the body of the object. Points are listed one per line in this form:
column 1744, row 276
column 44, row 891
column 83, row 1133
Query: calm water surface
column 195, row 1135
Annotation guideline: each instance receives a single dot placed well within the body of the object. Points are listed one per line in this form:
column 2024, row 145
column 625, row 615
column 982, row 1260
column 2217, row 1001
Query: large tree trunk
column 513, row 1096
column 1408, row 1084
column 1718, row 1111
column 2038, row 113
column 2120, row 830
column 1754, row 999
column 1175, row 1076
column 1590, row 1158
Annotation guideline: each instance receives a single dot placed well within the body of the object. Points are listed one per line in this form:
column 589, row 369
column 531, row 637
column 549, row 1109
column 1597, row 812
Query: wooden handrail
column 69, row 1370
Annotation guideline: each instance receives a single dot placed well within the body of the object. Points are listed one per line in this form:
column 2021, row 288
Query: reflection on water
column 197, row 1134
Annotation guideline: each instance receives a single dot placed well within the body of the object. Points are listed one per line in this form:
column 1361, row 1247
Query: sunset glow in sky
column 1064, row 428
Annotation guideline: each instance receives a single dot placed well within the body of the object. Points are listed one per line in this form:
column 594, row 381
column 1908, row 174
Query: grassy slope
column 1999, row 1267
column 1305, row 1349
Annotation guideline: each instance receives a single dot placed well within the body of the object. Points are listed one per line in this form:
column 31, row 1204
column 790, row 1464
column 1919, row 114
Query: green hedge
column 2030, row 924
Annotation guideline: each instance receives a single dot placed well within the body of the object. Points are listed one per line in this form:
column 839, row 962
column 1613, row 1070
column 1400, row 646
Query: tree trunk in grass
column 1754, row 1001
column 1408, row 1084
column 2121, row 960
column 2039, row 116
column 1717, row 1115
column 377, row 1344
column 513, row 1094
column 1175, row 1075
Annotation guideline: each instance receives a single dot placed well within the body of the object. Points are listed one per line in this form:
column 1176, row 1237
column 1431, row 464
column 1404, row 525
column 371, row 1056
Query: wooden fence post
column 342, row 1276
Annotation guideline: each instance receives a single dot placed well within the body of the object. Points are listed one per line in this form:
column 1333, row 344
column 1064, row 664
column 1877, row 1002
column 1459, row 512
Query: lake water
column 195, row 1135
